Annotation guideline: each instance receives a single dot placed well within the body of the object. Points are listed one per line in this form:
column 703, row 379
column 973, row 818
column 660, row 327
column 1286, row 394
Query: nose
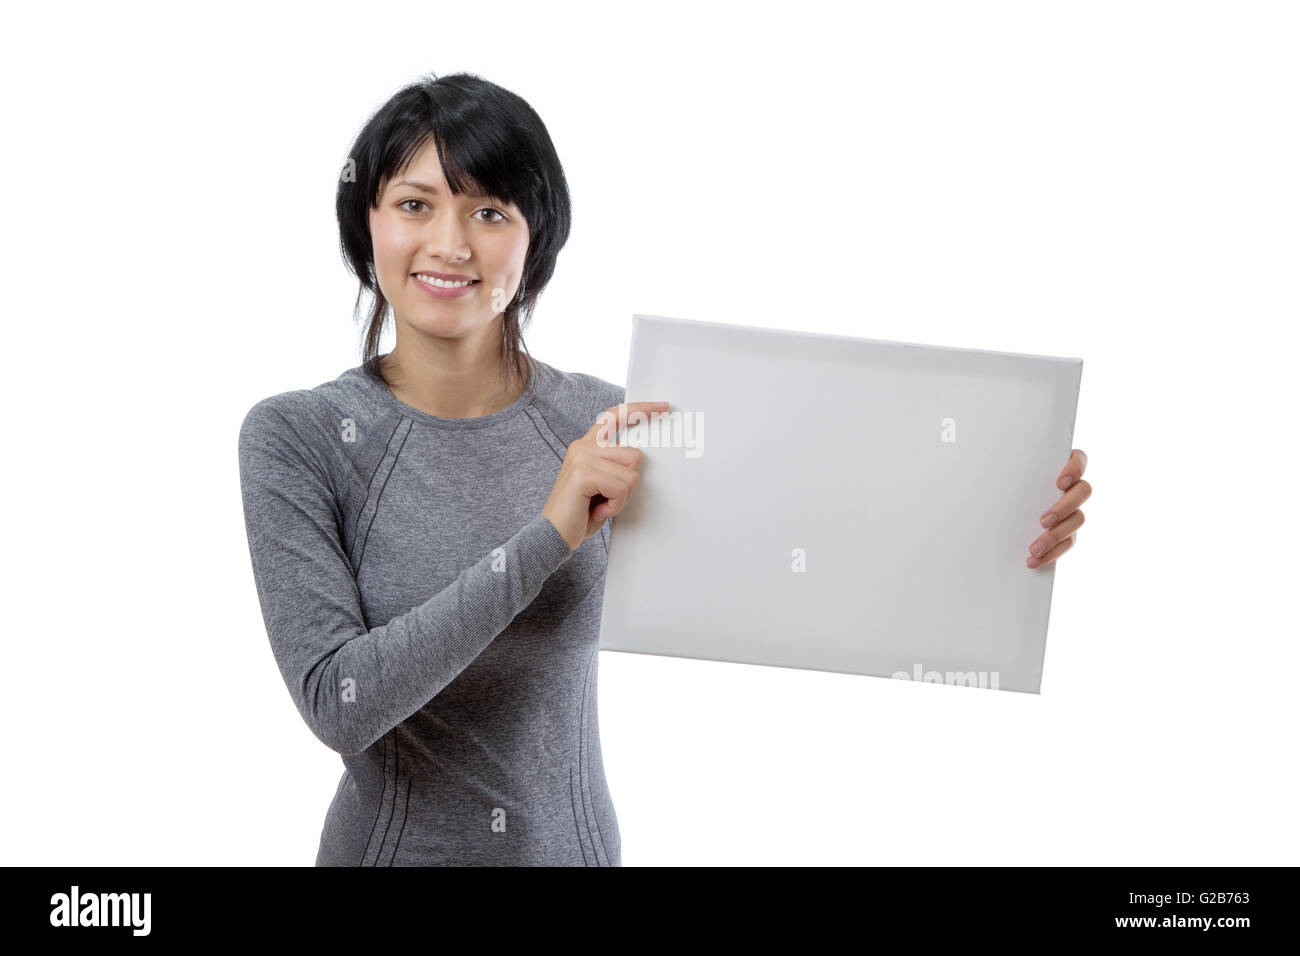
column 446, row 238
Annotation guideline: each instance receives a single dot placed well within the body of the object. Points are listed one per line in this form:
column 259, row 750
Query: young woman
column 429, row 530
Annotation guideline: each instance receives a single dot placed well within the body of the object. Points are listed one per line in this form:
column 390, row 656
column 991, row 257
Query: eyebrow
column 422, row 186
column 425, row 187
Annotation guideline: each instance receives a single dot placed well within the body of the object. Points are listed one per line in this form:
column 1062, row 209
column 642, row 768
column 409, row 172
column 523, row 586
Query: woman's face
column 420, row 231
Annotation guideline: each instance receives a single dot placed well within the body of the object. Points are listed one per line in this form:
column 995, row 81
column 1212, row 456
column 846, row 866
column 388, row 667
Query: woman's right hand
column 596, row 478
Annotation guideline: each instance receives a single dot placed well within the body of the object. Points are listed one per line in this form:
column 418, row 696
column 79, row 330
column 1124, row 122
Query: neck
column 450, row 382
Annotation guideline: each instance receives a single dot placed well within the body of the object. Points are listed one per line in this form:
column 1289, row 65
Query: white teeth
column 443, row 283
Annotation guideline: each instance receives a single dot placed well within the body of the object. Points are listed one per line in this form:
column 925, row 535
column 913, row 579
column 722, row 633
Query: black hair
column 489, row 141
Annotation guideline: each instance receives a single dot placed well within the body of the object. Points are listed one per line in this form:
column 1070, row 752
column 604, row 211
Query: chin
column 447, row 322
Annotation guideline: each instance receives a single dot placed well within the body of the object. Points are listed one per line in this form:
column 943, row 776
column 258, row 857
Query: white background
column 1114, row 181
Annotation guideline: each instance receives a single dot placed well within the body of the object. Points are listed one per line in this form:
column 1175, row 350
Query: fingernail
column 1069, row 480
column 1049, row 519
column 1038, row 547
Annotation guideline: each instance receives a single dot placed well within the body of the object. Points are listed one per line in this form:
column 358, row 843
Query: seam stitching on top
column 582, row 766
column 379, row 499
column 378, row 806
column 574, row 804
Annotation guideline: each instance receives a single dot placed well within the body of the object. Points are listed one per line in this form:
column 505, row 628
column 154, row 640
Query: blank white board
column 839, row 504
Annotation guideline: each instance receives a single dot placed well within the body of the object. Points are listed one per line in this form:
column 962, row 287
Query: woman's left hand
column 1064, row 517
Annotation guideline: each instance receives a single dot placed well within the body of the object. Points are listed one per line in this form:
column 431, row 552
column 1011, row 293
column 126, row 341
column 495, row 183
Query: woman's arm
column 352, row 684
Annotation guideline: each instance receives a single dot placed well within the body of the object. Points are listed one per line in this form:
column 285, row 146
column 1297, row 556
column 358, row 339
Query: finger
column 624, row 455
column 1073, row 469
column 615, row 483
column 615, row 418
column 613, row 421
column 1045, row 541
column 1052, row 555
column 1053, row 540
column 610, row 509
column 1080, row 492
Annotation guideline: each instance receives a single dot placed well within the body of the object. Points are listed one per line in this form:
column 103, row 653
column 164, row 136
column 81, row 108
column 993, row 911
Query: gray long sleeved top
column 431, row 625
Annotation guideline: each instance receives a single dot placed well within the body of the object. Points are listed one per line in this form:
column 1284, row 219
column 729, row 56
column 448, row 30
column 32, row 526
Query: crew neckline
column 386, row 395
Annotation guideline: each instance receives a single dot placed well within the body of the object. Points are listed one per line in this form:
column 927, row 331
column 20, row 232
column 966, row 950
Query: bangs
column 481, row 155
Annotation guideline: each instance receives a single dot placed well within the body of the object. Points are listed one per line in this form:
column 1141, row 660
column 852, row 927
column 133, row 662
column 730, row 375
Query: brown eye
column 403, row 203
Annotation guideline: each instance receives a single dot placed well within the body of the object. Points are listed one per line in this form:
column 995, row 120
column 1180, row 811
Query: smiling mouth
column 443, row 283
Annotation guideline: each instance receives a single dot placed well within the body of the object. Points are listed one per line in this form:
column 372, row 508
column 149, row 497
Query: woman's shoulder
column 580, row 396
column 322, row 422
